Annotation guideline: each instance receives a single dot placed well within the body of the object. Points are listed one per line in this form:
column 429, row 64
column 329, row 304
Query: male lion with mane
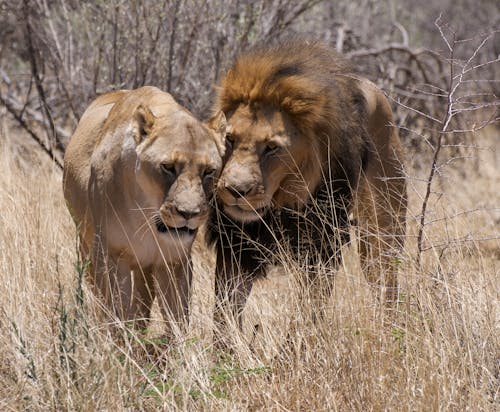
column 308, row 144
column 138, row 173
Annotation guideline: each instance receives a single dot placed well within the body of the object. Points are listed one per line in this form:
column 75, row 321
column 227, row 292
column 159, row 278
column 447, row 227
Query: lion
column 311, row 150
column 138, row 174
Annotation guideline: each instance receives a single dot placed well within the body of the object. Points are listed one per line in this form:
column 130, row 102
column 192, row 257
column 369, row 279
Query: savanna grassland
column 439, row 350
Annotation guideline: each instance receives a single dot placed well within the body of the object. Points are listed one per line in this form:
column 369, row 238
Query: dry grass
column 439, row 351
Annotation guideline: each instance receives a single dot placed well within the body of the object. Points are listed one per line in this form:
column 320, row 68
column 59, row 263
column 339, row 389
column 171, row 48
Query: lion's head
column 267, row 164
column 287, row 116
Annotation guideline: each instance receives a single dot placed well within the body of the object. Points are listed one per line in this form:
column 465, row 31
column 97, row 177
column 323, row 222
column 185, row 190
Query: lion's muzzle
column 241, row 190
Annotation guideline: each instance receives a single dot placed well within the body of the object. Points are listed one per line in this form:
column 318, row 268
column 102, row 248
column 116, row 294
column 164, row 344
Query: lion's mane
column 317, row 89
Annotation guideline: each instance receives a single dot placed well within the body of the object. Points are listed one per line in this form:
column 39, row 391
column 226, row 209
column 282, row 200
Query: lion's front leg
column 174, row 284
column 381, row 215
column 316, row 237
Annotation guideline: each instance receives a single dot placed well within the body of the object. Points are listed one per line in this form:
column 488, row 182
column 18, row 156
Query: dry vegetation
column 439, row 350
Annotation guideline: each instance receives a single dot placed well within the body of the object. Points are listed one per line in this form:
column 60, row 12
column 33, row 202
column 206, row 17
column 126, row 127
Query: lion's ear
column 218, row 125
column 144, row 120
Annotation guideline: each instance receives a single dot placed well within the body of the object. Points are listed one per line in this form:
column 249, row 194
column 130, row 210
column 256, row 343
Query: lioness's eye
column 168, row 169
column 229, row 141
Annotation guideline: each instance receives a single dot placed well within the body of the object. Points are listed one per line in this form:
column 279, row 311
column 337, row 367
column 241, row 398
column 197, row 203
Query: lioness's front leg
column 127, row 293
column 173, row 285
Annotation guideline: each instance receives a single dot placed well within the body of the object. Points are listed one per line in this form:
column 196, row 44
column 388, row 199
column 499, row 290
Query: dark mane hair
column 316, row 87
column 299, row 77
column 346, row 152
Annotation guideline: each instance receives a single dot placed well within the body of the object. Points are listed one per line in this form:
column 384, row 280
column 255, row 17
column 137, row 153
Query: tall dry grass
column 440, row 350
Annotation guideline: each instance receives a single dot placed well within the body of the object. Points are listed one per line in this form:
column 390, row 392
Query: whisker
column 143, row 208
column 149, row 219
column 144, row 227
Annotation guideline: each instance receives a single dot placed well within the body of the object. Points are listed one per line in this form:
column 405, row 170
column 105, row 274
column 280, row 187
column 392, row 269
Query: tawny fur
column 338, row 148
column 138, row 175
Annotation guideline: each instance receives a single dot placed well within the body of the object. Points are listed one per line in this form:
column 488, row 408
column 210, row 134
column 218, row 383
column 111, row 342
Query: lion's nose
column 241, row 191
column 188, row 214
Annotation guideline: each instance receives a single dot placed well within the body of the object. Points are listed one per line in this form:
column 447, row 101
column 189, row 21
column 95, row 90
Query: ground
column 440, row 350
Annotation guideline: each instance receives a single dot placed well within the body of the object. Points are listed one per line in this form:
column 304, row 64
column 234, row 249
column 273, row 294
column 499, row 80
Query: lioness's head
column 268, row 163
column 178, row 160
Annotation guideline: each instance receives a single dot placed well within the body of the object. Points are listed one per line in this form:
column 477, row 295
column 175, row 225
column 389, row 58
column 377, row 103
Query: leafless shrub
column 468, row 107
column 57, row 55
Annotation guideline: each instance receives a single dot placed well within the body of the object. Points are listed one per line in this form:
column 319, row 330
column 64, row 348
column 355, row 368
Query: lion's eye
column 271, row 148
column 209, row 173
column 168, row 169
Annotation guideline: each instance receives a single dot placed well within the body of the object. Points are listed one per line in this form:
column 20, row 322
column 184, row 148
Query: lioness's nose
column 188, row 214
column 239, row 191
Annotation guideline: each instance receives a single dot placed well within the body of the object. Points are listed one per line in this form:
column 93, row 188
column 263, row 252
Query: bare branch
column 10, row 108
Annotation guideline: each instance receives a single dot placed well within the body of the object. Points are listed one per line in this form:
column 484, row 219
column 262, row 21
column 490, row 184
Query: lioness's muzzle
column 163, row 228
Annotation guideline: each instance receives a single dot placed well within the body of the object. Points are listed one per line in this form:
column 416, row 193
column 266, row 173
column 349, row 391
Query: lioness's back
column 80, row 148
column 106, row 111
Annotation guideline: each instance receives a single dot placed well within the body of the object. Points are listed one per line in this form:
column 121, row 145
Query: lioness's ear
column 218, row 125
column 144, row 120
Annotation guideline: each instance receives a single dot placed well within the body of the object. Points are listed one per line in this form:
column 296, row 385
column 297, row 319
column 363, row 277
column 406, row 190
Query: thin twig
column 35, row 72
column 30, row 131
column 455, row 82
column 445, row 122
column 172, row 45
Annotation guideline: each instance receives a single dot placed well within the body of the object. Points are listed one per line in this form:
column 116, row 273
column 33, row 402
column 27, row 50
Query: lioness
column 309, row 143
column 138, row 173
